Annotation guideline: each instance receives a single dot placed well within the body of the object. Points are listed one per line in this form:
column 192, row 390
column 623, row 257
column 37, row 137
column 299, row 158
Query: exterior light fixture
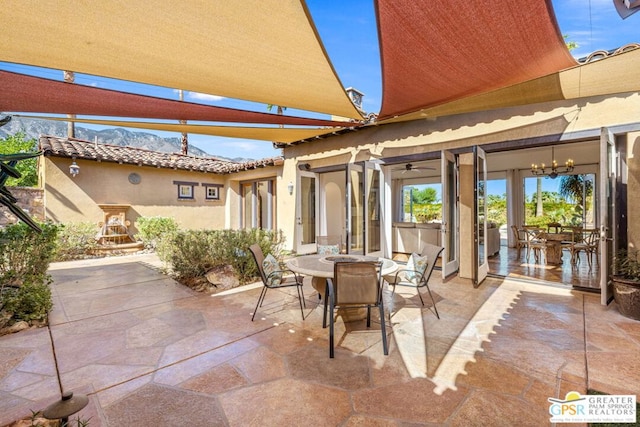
column 290, row 188
column 74, row 169
column 554, row 171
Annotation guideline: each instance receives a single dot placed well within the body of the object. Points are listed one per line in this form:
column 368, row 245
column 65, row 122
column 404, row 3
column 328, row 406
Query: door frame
column 480, row 270
column 308, row 247
column 607, row 211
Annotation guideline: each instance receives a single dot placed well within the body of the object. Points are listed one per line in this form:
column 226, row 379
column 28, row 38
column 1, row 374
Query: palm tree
column 576, row 188
column 539, row 208
column 280, row 110
column 70, row 77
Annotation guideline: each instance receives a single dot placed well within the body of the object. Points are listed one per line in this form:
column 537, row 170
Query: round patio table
column 320, row 268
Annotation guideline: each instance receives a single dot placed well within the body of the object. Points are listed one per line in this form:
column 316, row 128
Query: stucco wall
column 76, row 199
column 557, row 122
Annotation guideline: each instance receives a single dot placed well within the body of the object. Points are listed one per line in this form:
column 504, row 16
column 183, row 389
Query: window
column 258, row 204
column 212, row 191
column 422, row 203
column 185, row 189
column 568, row 199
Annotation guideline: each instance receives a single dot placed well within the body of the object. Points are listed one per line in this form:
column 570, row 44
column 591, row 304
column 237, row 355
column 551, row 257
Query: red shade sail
column 434, row 52
column 22, row 93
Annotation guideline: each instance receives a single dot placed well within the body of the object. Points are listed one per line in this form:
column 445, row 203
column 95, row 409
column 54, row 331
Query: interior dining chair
column 354, row 284
column 537, row 243
column 329, row 245
column 587, row 243
column 520, row 237
column 275, row 276
column 592, row 241
column 418, row 272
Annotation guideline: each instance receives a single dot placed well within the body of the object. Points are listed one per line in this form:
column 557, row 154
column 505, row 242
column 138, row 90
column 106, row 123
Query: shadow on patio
column 149, row 351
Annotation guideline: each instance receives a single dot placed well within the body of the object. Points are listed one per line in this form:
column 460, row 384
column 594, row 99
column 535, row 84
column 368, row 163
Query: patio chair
column 329, row 245
column 354, row 284
column 418, row 272
column 537, row 242
column 275, row 276
column 520, row 237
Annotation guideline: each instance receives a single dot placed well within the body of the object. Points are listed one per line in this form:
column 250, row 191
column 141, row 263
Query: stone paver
column 149, row 351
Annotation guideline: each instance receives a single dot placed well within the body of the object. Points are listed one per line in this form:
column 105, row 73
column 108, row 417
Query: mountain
column 114, row 136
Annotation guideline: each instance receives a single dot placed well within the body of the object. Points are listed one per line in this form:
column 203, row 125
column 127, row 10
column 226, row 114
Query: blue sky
column 348, row 31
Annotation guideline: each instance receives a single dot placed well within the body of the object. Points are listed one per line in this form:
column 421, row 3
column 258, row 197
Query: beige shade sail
column 434, row 52
column 22, row 93
column 275, row 134
column 267, row 51
column 615, row 74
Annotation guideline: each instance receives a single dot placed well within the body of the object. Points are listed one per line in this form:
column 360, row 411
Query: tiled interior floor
column 150, row 352
column 507, row 263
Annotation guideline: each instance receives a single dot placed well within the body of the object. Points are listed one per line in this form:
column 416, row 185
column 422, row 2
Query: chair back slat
column 356, row 283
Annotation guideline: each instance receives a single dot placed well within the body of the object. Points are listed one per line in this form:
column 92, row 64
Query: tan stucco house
column 349, row 183
column 199, row 192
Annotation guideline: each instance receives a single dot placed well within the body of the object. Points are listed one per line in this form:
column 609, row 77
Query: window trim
column 217, row 188
column 186, row 184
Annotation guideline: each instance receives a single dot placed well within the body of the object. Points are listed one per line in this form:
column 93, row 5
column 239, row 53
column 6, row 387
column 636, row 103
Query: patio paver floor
column 151, row 352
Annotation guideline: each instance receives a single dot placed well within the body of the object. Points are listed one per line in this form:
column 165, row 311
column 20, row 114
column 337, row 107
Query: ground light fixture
column 65, row 407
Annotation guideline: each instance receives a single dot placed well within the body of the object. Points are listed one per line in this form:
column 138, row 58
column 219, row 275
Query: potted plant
column 626, row 283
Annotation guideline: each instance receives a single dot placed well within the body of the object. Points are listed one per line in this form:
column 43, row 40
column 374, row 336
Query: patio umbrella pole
column 68, row 403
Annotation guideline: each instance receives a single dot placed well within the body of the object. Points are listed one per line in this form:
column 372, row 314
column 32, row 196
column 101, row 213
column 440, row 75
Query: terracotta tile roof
column 79, row 149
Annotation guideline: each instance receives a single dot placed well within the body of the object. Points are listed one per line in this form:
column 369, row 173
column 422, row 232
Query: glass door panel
column 307, row 218
column 482, row 266
column 355, row 209
column 449, row 235
column 607, row 205
column 374, row 207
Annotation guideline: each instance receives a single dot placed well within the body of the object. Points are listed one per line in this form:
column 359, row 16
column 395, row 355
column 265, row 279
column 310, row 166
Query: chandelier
column 553, row 171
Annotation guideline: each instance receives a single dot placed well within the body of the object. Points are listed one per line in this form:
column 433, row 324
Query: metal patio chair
column 275, row 276
column 354, row 284
column 417, row 274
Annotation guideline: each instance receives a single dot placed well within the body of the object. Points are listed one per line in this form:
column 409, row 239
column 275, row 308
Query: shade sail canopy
column 591, row 79
column 21, row 93
column 438, row 58
column 433, row 52
column 266, row 51
column 275, row 134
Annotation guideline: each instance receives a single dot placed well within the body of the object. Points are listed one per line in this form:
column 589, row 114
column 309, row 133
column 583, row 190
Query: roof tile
column 79, row 149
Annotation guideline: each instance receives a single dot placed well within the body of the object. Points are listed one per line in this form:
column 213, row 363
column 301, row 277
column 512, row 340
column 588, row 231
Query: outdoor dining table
column 320, row 268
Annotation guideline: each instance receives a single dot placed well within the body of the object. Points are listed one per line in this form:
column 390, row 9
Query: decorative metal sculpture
column 8, row 169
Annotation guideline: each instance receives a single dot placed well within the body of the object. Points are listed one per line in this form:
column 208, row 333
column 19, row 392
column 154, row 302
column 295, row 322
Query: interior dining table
column 320, row 267
column 554, row 241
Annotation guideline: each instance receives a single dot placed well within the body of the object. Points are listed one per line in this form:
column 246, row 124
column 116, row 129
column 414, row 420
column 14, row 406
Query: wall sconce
column 74, row 169
column 290, row 188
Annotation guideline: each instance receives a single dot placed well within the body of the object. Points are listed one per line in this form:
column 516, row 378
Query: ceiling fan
column 411, row 168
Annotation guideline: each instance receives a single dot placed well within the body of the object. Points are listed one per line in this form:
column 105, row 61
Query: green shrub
column 29, row 302
column 76, row 241
column 153, row 230
column 191, row 254
column 25, row 254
